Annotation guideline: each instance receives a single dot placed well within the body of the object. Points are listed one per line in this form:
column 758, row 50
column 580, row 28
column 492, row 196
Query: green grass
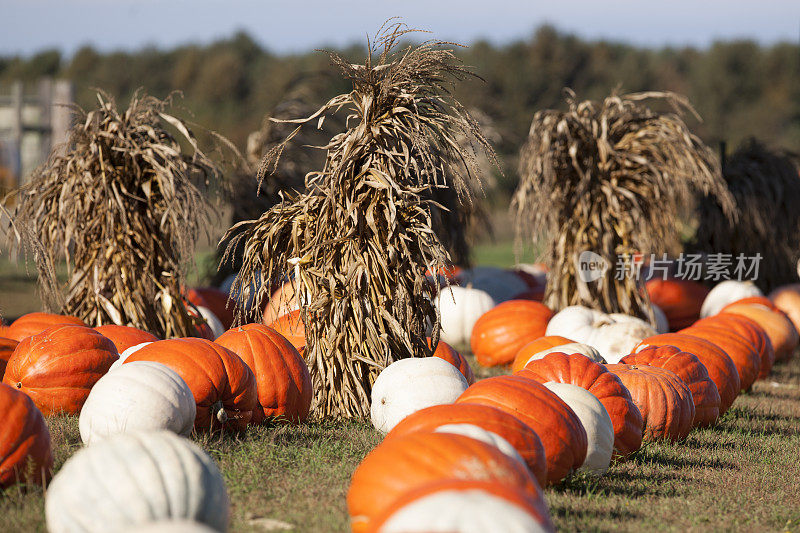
column 742, row 475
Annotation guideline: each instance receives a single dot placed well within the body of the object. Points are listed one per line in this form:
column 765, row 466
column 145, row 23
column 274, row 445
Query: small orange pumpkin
column 124, row 337
column 750, row 330
column 536, row 346
column 662, row 397
column 7, row 347
column 215, row 300
column 34, row 323
column 500, row 332
column 449, row 354
column 787, row 299
column 779, row 328
column 25, row 447
column 679, row 299
column 59, row 366
column 739, row 349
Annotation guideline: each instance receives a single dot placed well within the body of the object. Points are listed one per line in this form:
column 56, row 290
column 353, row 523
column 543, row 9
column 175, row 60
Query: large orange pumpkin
column 292, row 327
column 223, row 386
column 408, row 462
column 532, row 504
column 26, row 454
column 34, row 323
column 536, row 346
column 7, row 347
column 750, row 330
column 753, row 300
column 449, row 354
column 575, row 369
column 688, row 367
column 739, row 349
column 719, row 366
column 511, row 428
column 59, row 366
column 500, row 332
column 787, row 299
column 779, row 328
column 124, row 337
column 662, row 397
column 282, row 378
column 563, row 436
column 680, row 300
column 215, row 300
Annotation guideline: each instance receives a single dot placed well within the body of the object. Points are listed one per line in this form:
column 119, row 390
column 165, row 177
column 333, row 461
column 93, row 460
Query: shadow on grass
column 558, row 510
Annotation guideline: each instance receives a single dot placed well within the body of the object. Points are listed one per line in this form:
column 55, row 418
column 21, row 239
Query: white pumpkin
column 725, row 293
column 488, row 437
column 139, row 396
column 211, row 319
column 460, row 308
column 464, row 511
column 136, row 479
column 408, row 385
column 596, row 421
column 127, row 353
column 171, row 526
column 502, row 285
column 571, row 348
column 614, row 335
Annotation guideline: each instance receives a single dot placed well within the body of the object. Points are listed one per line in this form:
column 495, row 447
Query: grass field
column 742, row 475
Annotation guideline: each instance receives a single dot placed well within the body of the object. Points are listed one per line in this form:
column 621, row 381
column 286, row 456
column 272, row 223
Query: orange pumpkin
column 581, row 371
column 124, row 337
column 536, row 346
column 7, row 347
column 282, row 377
column 680, row 300
column 688, row 367
column 533, row 504
column 562, row 434
column 662, row 397
column 739, row 349
column 223, row 386
column 59, row 366
column 787, row 299
column 282, row 302
column 780, row 330
column 408, row 462
column 34, row 323
column 292, row 327
column 26, row 454
column 500, row 332
column 751, row 331
column 753, row 300
column 719, row 366
column 511, row 428
column 215, row 300
column 449, row 354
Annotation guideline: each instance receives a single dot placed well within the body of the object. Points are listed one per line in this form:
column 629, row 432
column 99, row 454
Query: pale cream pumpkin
column 727, row 292
column 460, row 308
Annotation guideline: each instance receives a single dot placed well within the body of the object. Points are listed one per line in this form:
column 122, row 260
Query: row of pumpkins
column 585, row 388
column 457, row 452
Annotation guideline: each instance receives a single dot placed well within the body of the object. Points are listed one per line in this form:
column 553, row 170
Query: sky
column 28, row 26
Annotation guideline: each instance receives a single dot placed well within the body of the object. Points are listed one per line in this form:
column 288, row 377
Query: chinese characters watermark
column 695, row 267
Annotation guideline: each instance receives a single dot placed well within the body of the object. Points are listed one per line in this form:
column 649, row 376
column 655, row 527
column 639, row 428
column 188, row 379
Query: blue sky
column 27, row 26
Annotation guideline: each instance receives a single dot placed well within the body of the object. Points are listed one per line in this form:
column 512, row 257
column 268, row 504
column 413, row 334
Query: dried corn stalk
column 359, row 239
column 610, row 177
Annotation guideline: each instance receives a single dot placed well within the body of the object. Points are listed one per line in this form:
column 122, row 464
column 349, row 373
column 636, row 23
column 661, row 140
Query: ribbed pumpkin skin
column 662, row 397
column 688, row 367
column 7, row 347
column 680, row 300
column 407, row 462
column 25, row 447
column 779, row 328
column 534, row 505
column 292, row 327
column 719, row 366
column 562, row 434
column 500, row 333
column 59, row 366
column 753, row 300
column 215, row 374
column 517, row 433
column 282, row 377
column 739, row 349
column 536, row 346
column 449, row 354
column 34, row 323
column 124, row 337
column 750, row 330
column 575, row 369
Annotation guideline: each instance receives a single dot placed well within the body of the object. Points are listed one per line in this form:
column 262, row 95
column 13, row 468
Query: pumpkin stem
column 218, row 411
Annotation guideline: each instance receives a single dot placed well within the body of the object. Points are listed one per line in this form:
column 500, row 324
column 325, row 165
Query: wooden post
column 17, row 103
column 61, row 119
column 45, row 117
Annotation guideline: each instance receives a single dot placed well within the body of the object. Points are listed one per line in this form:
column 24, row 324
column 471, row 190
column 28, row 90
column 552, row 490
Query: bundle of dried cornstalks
column 611, row 178
column 359, row 239
column 766, row 189
column 122, row 204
